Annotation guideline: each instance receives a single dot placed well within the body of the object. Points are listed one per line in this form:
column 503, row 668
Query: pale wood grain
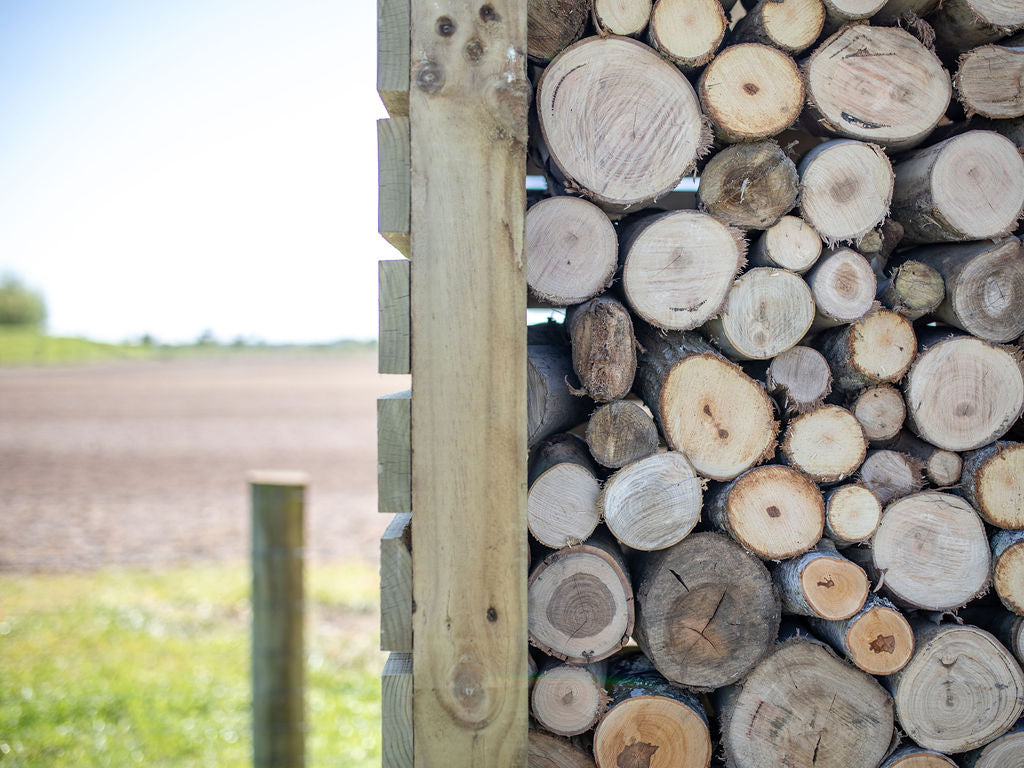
column 393, row 304
column 396, row 711
column 393, row 171
column 396, row 585
column 393, row 55
column 393, row 453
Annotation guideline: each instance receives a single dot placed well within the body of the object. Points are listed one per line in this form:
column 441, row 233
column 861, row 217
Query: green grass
column 122, row 668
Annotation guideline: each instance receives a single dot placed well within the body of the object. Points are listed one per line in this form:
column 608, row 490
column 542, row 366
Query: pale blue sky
column 167, row 167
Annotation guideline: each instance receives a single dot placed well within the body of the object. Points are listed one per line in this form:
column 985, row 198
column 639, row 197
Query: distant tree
column 20, row 305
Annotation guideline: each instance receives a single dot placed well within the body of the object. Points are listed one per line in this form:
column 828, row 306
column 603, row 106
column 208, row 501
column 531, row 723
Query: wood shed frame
column 452, row 452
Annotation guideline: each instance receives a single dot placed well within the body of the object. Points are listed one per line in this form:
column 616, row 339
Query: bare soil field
column 145, row 464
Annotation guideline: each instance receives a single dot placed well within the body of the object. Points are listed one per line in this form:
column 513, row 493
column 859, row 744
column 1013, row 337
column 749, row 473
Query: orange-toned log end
column 835, row 588
column 651, row 730
column 880, row 641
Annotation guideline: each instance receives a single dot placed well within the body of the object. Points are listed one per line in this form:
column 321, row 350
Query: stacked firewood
column 776, row 491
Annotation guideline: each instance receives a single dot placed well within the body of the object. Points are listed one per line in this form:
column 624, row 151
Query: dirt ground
column 145, row 463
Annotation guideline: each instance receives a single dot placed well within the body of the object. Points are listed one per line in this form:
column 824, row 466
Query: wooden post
column 468, row 104
column 278, row 617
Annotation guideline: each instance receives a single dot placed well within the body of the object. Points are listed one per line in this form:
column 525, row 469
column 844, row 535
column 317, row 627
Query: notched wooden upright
column 468, row 104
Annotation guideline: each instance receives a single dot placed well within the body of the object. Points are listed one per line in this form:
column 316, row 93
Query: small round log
column 878, row 347
column 992, row 479
column 843, row 285
column 841, row 12
column 947, row 564
column 603, row 348
column 571, row 250
column 767, row 312
column 773, row 511
column 827, row 444
column 678, row 267
column 788, row 244
column 852, row 514
column 1008, row 569
column 800, row 378
column 880, row 411
column 561, row 506
column 789, row 25
column 687, row 32
column 988, row 78
column 913, row 289
column 552, row 25
column 652, row 503
column 749, row 185
column 845, row 189
column 751, row 91
column 891, row 474
column 877, row 638
column 622, row 17
column 821, row 583
column 915, row 757
column 622, row 124
column 620, row 433
column 568, row 699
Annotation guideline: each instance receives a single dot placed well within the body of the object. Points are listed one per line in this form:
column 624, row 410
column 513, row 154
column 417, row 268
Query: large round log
column 750, row 185
column 960, row 690
column 827, row 444
column 551, row 25
column 687, row 32
column 773, row 511
column 603, row 348
column 802, row 706
column 620, row 433
column 843, row 285
column 1008, row 569
column 877, row 84
column 845, row 188
column 988, row 79
column 561, row 505
column 767, row 312
column 789, row 25
column 852, row 514
column 992, row 479
column 652, row 503
column 821, row 583
column 706, row 611
column 968, row 187
column 877, row 639
column 963, row 393
column 932, row 551
column 571, row 250
column 788, row 244
column 678, row 267
column 878, row 347
column 705, row 405
column 622, row 124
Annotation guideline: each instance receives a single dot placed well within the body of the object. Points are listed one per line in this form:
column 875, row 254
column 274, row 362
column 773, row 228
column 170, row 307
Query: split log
column 878, row 347
column 841, row 12
column 1008, row 569
column 571, row 250
column 946, row 563
column 678, row 267
column 852, row 514
column 622, row 17
column 687, row 32
column 776, row 718
column 988, row 79
column 845, row 189
column 968, row 187
column 1006, row 751
column 827, row 444
column 880, row 411
column 963, row 24
column 652, row 503
column 800, row 378
column 916, row 757
column 877, row 639
column 843, row 285
column 626, row 125
column 650, row 716
column 913, row 289
column 705, row 405
column 545, row 750
column 877, row 84
column 751, row 91
column 821, row 583
column 620, row 433
column 983, row 285
column 580, row 602
column 896, row 12
column 749, row 185
column 773, row 511
column 789, row 244
column 960, row 689
column 790, row 25
column 550, row 404
column 706, row 611
column 603, row 348
column 552, row 25
column 992, row 480
column 767, row 312
column 561, row 506
column 568, row 699
column 941, row 467
column 963, row 393
column 891, row 475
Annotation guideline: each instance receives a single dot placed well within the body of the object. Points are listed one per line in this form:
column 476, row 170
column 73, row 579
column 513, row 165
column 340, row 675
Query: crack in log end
column 679, row 579
column 773, row 511
column 636, row 754
column 554, row 95
column 883, row 644
column 817, row 746
column 862, row 123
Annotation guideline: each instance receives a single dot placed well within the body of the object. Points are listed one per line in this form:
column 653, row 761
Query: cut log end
column 827, row 444
column 750, row 185
column 801, row 377
column 622, row 17
column 988, row 80
column 791, row 244
column 552, row 25
column 622, row 432
column 891, row 474
column 844, row 286
column 688, row 32
column 834, row 587
column 1008, row 569
column 880, row 640
column 638, row 728
column 603, row 348
column 993, row 480
column 545, row 750
column 561, row 507
column 913, row 290
column 852, row 514
column 880, row 411
column 568, row 700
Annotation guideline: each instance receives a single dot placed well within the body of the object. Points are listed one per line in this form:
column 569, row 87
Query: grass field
column 121, row 668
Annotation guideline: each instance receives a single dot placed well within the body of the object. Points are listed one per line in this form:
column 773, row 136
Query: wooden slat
column 393, row 55
column 393, row 181
column 393, row 460
column 396, row 711
column 396, row 586
column 393, row 331
column 468, row 110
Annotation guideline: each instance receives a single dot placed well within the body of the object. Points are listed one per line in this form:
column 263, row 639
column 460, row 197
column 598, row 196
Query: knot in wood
column 445, row 26
column 487, row 13
column 429, row 77
column 474, row 50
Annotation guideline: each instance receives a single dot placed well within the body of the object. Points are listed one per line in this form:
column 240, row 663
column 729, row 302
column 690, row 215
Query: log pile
column 776, row 495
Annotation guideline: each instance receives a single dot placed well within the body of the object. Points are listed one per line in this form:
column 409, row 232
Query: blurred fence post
column 278, row 620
